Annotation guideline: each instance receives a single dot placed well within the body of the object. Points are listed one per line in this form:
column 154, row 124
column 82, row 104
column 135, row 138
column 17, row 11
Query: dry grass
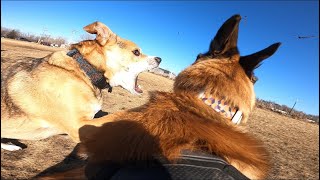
column 293, row 144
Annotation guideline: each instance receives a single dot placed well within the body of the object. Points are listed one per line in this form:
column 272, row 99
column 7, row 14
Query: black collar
column 97, row 78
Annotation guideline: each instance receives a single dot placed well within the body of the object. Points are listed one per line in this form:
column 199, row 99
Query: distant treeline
column 287, row 111
column 163, row 72
column 48, row 40
column 43, row 39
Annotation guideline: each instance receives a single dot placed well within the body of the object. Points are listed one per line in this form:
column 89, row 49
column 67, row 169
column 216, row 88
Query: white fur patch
column 10, row 147
column 45, row 124
column 114, row 60
column 96, row 107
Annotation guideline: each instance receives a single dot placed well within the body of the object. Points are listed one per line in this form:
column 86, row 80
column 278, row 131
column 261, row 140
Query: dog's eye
column 136, row 52
column 254, row 79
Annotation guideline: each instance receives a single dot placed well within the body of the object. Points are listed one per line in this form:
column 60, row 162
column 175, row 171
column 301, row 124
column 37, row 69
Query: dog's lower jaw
column 126, row 80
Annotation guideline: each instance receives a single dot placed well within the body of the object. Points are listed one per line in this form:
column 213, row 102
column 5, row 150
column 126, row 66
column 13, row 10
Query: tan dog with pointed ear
column 62, row 92
column 210, row 98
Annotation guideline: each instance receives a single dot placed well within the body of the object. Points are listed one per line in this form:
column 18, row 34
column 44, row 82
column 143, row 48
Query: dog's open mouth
column 137, row 87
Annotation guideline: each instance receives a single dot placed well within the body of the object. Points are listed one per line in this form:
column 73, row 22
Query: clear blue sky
column 178, row 31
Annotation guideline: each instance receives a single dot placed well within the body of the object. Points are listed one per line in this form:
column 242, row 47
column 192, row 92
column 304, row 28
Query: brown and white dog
column 62, row 92
column 210, row 97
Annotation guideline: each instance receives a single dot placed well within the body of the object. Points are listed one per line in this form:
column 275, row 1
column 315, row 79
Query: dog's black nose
column 158, row 59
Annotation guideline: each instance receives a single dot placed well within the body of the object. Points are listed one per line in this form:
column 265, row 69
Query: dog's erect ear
column 103, row 32
column 253, row 61
column 226, row 37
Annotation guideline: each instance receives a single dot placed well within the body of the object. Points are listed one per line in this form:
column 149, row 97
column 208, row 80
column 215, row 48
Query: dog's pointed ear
column 253, row 61
column 103, row 32
column 226, row 37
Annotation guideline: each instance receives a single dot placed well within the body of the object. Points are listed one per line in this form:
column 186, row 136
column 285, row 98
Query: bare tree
column 4, row 31
column 86, row 36
column 59, row 41
column 14, row 34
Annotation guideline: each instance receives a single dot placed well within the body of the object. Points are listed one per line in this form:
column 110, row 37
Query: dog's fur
column 53, row 95
column 172, row 122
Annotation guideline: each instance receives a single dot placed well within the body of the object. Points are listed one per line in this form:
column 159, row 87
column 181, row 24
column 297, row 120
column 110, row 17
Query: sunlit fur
column 114, row 55
column 220, row 78
column 53, row 95
column 173, row 121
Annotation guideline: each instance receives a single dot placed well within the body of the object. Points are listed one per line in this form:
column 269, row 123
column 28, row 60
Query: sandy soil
column 293, row 144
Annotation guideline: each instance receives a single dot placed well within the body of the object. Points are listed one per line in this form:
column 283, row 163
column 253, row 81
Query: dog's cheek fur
column 114, row 59
column 120, row 59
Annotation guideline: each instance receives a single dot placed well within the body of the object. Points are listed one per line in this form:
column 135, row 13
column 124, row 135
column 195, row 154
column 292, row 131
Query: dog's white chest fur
column 95, row 108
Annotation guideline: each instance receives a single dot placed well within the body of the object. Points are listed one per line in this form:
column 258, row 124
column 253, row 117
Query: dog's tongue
column 138, row 89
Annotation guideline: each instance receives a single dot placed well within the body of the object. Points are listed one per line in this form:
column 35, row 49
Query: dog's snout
column 158, row 59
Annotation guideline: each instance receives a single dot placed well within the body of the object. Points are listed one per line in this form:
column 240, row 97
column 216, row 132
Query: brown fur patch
column 121, row 44
column 54, row 95
column 172, row 122
column 6, row 76
column 220, row 78
column 168, row 124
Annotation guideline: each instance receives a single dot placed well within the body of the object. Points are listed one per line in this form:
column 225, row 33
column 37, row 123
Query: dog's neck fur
column 97, row 78
column 220, row 106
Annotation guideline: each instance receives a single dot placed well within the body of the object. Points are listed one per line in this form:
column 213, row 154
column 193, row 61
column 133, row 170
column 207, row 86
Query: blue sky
column 178, row 31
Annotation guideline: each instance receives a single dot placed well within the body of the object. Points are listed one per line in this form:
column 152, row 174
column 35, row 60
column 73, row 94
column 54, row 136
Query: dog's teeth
column 138, row 89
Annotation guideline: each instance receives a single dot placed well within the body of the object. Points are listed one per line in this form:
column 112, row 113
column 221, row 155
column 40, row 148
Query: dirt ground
column 293, row 144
